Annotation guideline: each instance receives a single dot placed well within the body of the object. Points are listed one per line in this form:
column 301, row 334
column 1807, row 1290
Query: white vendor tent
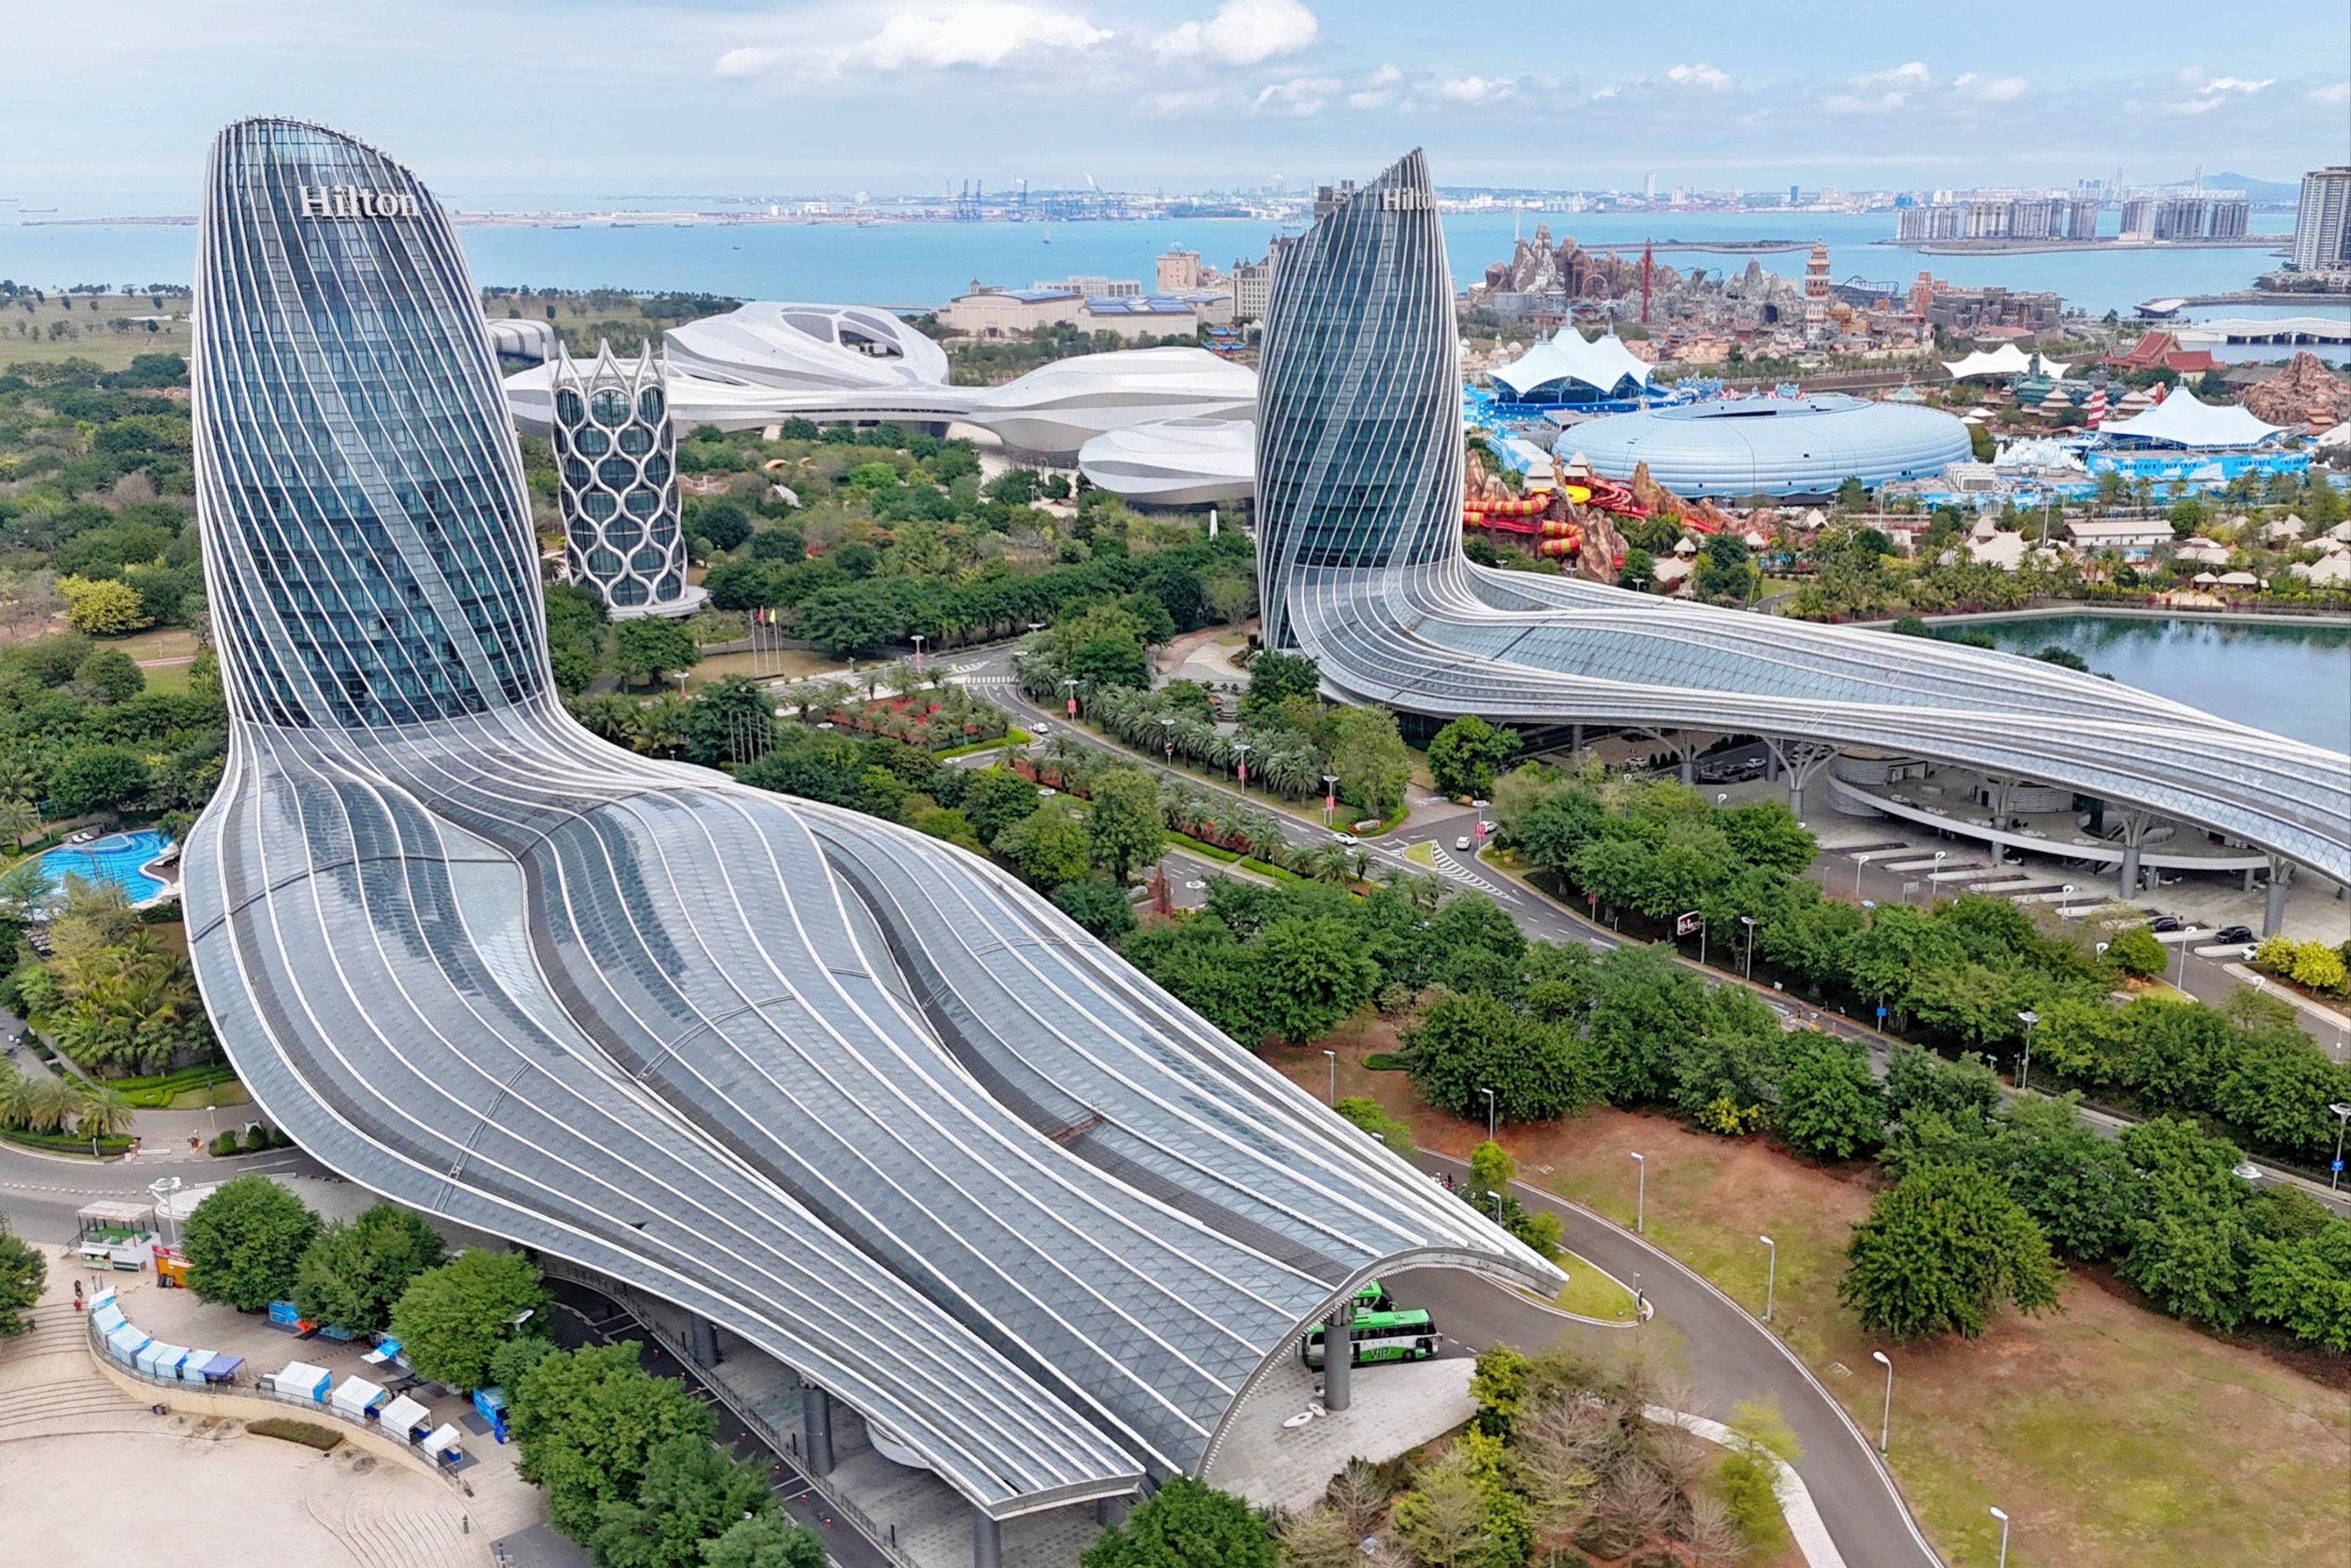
column 406, row 1419
column 355, row 1396
column 443, row 1440
column 1599, row 364
column 2007, row 360
column 302, row 1381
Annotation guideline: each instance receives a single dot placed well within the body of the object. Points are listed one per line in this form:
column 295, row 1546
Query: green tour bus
column 1371, row 1296
column 1380, row 1336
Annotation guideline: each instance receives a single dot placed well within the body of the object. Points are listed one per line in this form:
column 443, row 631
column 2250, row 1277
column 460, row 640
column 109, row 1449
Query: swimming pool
column 115, row 858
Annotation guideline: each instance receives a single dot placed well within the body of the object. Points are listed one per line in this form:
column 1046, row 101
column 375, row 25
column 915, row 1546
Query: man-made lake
column 2293, row 679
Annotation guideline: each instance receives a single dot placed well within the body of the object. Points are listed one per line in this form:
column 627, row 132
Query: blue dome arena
column 1770, row 445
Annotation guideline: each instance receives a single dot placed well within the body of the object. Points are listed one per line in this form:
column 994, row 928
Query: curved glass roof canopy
column 846, row 1090
column 1360, row 565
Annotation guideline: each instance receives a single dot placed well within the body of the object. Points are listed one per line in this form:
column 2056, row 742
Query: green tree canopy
column 1313, row 972
column 1943, row 1250
column 451, row 1320
column 650, row 646
column 692, row 1493
column 1367, row 752
column 1830, row 1104
column 764, row 1540
column 1185, row 1524
column 1469, row 1042
column 587, row 1422
column 1465, row 755
column 24, row 1274
column 2135, row 951
column 1049, row 843
column 1097, row 907
column 1373, row 1118
column 350, row 1275
column 1277, row 676
column 1123, row 826
column 245, row 1243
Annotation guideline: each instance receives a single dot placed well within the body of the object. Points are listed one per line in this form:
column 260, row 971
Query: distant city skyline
column 503, row 97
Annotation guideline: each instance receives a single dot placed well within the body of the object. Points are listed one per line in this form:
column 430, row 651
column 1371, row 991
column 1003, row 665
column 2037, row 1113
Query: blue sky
column 551, row 98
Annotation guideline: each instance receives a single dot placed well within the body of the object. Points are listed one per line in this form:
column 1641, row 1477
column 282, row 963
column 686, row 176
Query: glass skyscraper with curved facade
column 847, row 1092
column 616, row 478
column 1359, row 462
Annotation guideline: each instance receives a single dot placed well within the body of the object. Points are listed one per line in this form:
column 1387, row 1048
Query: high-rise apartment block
column 2321, row 224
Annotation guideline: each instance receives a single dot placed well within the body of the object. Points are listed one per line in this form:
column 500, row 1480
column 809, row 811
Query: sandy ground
column 88, row 1473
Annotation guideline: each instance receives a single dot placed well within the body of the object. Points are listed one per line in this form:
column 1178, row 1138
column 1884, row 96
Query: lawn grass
column 774, row 665
column 25, row 330
column 1592, row 1293
column 2115, row 1438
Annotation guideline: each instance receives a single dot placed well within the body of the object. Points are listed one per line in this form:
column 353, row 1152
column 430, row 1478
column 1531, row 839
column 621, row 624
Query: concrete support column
column 987, row 1541
column 1689, row 769
column 1338, row 1360
column 702, row 1341
column 2248, row 879
column 1770, row 763
column 1111, row 1510
column 2274, row 908
column 1575, row 738
column 816, row 1419
column 2134, row 826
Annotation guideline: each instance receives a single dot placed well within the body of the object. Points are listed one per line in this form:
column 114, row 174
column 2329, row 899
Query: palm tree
column 18, row 817
column 104, row 1111
column 24, row 887
column 48, row 1104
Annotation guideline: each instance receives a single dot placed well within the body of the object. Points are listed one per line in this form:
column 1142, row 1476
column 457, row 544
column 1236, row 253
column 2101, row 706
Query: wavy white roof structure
column 1053, row 410
column 1175, row 462
column 1599, row 363
column 851, row 1093
column 796, row 347
column 2007, row 360
column 2183, row 419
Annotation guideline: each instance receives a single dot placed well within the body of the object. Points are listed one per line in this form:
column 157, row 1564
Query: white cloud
column 986, row 33
column 1386, row 76
column 1713, row 78
column 1992, row 89
column 2210, row 91
column 1180, row 104
column 1913, row 73
column 1852, row 104
column 746, row 62
column 1243, row 32
column 1298, row 94
column 2340, row 92
column 1476, row 90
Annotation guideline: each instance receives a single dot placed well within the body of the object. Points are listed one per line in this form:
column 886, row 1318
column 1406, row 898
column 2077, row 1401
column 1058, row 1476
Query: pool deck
column 163, row 868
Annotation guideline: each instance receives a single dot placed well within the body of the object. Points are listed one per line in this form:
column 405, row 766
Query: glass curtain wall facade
column 616, row 479
column 847, row 1092
column 1361, row 567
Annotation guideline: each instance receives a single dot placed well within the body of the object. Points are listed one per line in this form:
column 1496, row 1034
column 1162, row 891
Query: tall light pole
column 1640, row 1194
column 2342, row 1114
column 1167, row 737
column 1859, row 861
column 1747, row 970
column 1489, row 1093
column 1771, row 1274
column 1334, row 1057
column 1069, row 686
column 1997, row 1515
column 919, row 640
column 2028, row 1017
column 1885, row 1421
column 1330, row 797
column 1240, row 760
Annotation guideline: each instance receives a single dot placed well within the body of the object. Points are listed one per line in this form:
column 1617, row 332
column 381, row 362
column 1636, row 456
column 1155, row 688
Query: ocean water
column 921, row 265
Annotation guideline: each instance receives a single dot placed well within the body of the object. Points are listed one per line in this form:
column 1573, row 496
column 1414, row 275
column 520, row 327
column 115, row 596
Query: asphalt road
column 1728, row 1355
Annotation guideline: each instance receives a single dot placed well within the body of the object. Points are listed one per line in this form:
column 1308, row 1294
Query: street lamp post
column 1240, row 760
column 2028, row 1017
column 2342, row 1114
column 2002, row 1517
column 1330, row 797
column 920, row 638
column 1489, row 1093
column 1640, row 1194
column 1334, row 1057
column 1859, row 861
column 1771, row 1274
column 1167, row 737
column 1747, row 970
column 1069, row 686
column 1885, row 1421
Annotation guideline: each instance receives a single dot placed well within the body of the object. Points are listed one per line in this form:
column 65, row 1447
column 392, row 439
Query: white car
column 1462, row 842
column 1345, row 839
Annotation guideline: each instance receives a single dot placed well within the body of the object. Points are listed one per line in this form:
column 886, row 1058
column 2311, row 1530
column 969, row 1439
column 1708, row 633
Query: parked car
column 2164, row 923
column 2228, row 933
column 1462, row 842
